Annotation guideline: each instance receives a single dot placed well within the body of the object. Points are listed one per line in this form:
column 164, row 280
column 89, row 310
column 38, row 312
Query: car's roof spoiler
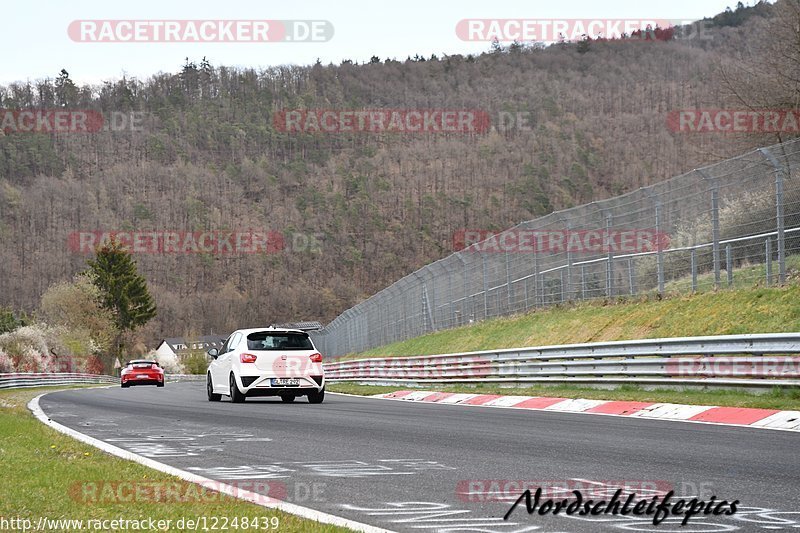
column 302, row 326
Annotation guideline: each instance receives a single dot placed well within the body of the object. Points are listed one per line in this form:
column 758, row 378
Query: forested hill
column 208, row 156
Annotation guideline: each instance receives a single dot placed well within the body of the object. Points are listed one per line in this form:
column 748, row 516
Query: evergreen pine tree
column 123, row 290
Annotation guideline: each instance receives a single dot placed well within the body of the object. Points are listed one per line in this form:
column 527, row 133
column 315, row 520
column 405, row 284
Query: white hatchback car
column 266, row 362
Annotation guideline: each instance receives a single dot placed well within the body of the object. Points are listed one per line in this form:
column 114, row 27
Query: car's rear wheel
column 288, row 398
column 236, row 395
column 316, row 396
column 210, row 389
column 160, row 384
column 124, row 385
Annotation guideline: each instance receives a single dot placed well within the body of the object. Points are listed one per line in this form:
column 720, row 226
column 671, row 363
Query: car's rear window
column 265, row 340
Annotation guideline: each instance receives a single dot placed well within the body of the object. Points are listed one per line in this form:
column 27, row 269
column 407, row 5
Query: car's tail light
column 316, row 357
column 247, row 358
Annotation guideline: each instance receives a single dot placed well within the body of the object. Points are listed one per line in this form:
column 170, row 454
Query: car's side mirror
column 213, row 353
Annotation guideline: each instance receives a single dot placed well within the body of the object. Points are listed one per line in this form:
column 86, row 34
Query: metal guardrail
column 36, row 379
column 21, row 380
column 761, row 360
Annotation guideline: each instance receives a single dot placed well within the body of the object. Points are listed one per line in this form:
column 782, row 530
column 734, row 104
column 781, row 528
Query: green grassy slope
column 725, row 312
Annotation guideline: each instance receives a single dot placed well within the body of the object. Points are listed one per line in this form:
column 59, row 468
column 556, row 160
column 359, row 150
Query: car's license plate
column 141, row 376
column 285, row 382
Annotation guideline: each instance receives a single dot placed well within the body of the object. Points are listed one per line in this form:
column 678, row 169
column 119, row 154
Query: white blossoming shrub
column 6, row 364
column 28, row 349
column 168, row 362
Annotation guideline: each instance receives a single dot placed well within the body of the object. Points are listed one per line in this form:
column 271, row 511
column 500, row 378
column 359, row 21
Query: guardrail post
column 768, row 254
column 694, row 270
column 610, row 259
column 779, row 222
column 729, row 264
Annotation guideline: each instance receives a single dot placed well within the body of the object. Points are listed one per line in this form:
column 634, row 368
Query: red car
column 142, row 372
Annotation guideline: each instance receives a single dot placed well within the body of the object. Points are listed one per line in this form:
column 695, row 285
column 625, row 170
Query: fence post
column 568, row 286
column 583, row 282
column 427, row 306
column 485, row 289
column 715, row 232
column 714, row 223
column 451, row 320
column 541, row 284
column 768, row 254
column 508, row 284
column 406, row 314
column 694, row 270
column 778, row 213
column 432, row 299
column 566, row 278
column 563, row 285
column 526, row 293
column 466, row 294
column 537, row 294
column 631, row 277
column 659, row 250
column 610, row 259
column 729, row 264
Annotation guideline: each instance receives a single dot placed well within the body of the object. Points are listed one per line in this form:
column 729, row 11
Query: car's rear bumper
column 262, row 385
column 147, row 380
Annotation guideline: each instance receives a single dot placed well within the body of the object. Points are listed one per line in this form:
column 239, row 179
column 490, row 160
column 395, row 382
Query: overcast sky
column 36, row 43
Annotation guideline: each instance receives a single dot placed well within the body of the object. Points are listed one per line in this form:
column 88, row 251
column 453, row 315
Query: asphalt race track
column 422, row 467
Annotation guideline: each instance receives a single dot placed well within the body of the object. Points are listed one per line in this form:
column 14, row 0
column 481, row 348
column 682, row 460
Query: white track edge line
column 420, row 402
column 249, row 496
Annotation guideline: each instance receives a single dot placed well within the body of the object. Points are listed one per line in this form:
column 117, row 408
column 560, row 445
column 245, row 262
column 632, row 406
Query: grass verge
column 775, row 399
column 45, row 469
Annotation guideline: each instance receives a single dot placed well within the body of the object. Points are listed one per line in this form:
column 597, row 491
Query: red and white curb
column 707, row 414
